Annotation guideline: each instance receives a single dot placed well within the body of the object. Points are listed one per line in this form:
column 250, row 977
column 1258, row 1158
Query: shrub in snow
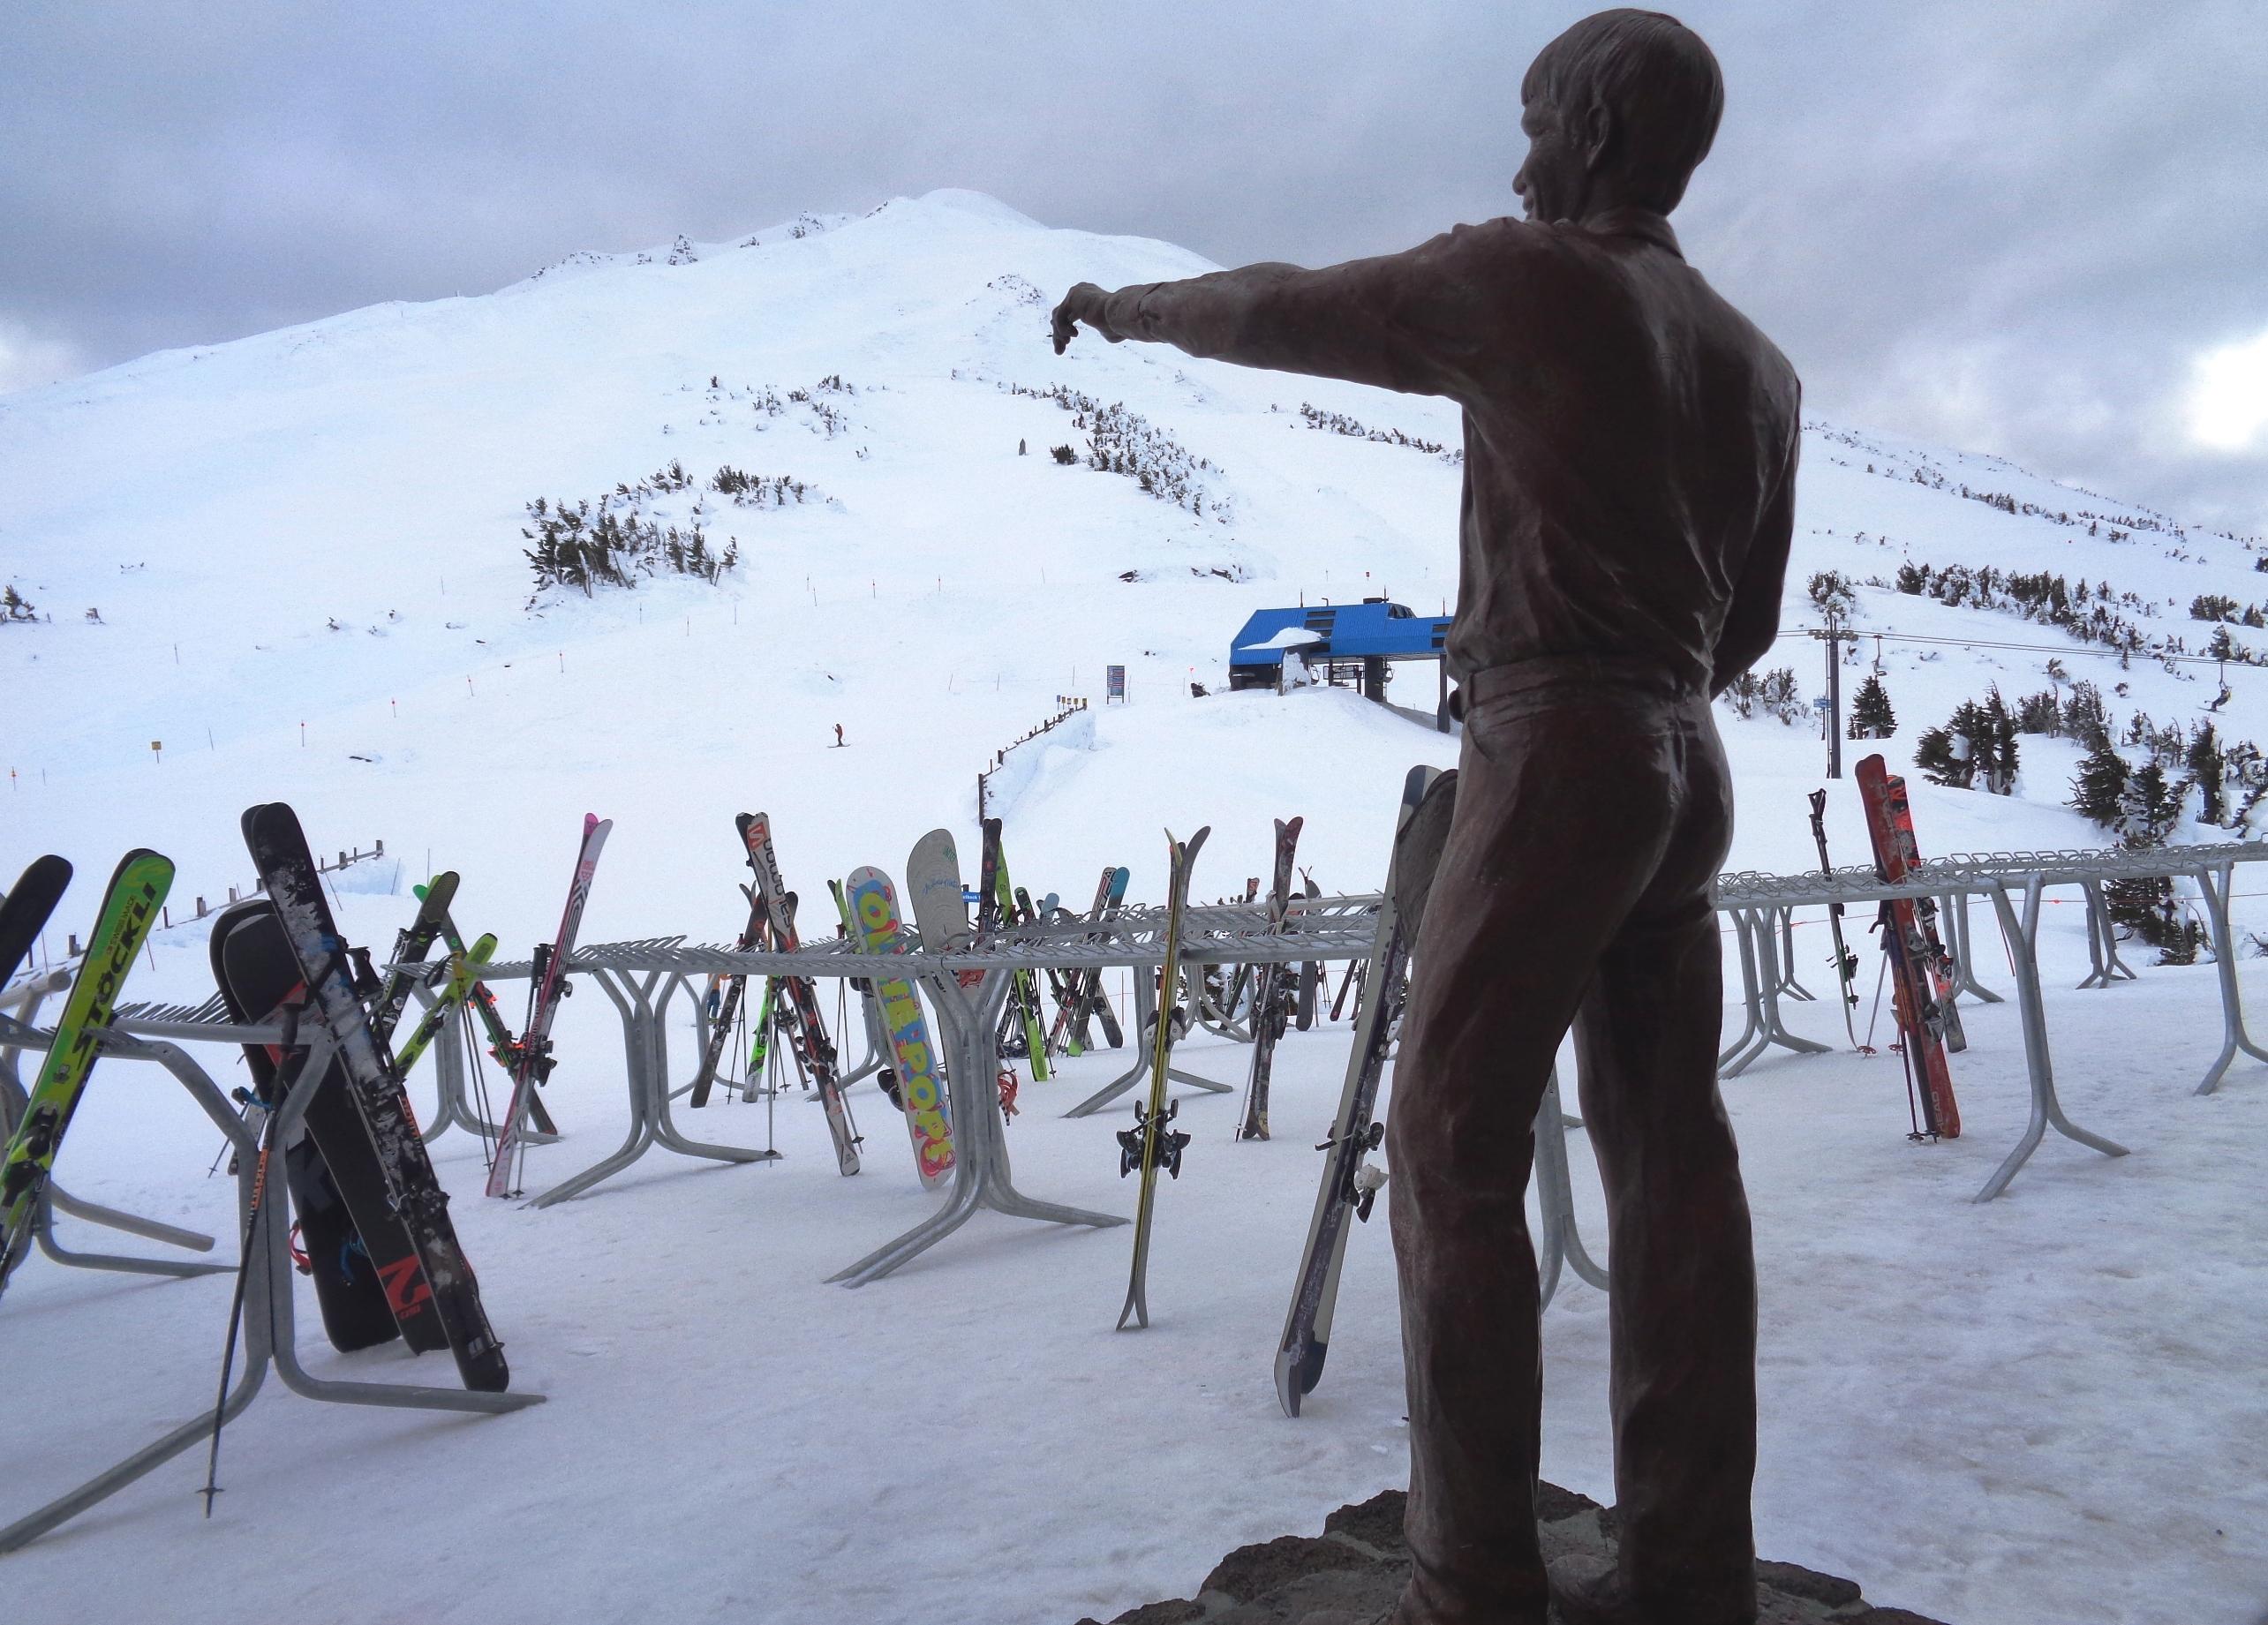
column 630, row 534
column 15, row 606
column 1339, row 423
column 1833, row 595
column 758, row 491
column 1125, row 442
column 1775, row 694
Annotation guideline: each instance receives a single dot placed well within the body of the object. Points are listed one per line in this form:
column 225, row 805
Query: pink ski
column 534, row 1063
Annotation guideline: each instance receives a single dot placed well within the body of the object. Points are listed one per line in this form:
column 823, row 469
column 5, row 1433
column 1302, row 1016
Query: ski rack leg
column 2046, row 1111
column 2102, row 941
column 1953, row 918
column 55, row 1199
column 2215, row 884
column 981, row 1177
column 878, row 1043
column 1561, row 1243
column 1774, row 976
column 1751, row 1006
column 1207, row 1012
column 453, row 1070
column 1784, row 923
column 1145, row 999
column 449, row 1106
column 268, row 1334
column 641, row 1134
column 1761, row 973
column 666, row 1131
column 1192, row 979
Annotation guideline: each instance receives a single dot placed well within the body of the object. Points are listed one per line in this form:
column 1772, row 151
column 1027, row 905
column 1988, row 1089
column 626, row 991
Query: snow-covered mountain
column 300, row 563
column 323, row 526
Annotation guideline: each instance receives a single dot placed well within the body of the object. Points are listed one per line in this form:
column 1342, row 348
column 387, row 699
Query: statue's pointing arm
column 1411, row 321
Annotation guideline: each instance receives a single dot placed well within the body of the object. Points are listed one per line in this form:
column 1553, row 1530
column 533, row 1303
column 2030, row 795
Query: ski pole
column 235, row 1309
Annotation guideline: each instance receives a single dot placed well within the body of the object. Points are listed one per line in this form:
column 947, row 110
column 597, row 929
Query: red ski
column 1920, row 973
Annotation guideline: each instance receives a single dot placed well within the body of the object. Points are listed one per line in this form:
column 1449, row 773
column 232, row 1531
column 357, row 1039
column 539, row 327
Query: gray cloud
column 2007, row 226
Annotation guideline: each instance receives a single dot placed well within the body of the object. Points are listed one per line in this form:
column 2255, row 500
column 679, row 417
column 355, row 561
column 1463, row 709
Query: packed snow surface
column 305, row 556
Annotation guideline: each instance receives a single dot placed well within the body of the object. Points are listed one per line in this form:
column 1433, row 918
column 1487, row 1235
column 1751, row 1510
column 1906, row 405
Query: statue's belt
column 1587, row 675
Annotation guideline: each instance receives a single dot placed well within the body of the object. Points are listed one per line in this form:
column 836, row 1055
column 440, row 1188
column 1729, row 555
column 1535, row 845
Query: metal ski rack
column 2015, row 881
column 269, row 1338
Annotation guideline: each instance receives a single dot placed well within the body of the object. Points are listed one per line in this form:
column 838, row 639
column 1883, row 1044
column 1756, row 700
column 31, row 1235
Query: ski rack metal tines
column 1327, row 928
column 1979, row 871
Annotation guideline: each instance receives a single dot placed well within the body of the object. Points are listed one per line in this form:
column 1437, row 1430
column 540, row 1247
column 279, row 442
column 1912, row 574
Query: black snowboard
column 332, row 1170
column 435, row 1279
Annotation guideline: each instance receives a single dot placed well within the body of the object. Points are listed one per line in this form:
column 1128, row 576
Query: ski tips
column 1188, row 849
column 42, row 876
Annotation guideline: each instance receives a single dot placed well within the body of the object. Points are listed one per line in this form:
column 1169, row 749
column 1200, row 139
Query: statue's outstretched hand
column 1083, row 303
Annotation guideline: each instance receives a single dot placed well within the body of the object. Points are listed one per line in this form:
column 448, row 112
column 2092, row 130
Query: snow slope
column 306, row 550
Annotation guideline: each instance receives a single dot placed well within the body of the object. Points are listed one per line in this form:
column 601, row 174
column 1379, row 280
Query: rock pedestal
column 1352, row 1573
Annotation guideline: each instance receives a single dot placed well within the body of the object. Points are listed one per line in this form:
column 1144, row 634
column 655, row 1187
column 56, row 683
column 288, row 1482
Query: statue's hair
column 1657, row 80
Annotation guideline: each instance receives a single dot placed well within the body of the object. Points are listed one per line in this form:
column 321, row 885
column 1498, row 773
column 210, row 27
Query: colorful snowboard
column 929, row 1112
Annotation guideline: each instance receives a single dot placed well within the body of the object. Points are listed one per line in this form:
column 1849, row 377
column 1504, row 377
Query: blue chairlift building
column 1353, row 643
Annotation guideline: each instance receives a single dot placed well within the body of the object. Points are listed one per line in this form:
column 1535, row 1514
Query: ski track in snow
column 2044, row 1410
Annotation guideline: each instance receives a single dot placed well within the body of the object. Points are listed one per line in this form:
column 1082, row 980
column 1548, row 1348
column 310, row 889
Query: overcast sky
column 2038, row 227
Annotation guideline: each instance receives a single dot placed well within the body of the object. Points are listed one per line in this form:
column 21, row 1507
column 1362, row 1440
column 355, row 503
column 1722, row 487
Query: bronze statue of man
column 1631, row 445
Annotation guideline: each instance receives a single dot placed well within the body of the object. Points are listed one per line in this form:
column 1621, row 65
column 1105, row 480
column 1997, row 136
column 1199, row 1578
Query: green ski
column 130, row 909
column 465, row 970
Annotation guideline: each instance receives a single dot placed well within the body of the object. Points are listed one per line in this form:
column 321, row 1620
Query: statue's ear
column 1597, row 133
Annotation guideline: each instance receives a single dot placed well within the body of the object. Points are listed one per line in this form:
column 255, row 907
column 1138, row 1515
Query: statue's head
column 1619, row 109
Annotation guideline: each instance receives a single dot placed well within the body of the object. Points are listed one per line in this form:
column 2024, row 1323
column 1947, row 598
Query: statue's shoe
column 1588, row 1590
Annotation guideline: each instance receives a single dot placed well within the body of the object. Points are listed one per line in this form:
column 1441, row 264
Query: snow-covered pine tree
column 2100, row 788
column 1870, row 716
column 2149, row 807
column 2207, row 771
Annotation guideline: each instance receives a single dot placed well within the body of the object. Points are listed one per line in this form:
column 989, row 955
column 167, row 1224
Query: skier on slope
column 1631, row 444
